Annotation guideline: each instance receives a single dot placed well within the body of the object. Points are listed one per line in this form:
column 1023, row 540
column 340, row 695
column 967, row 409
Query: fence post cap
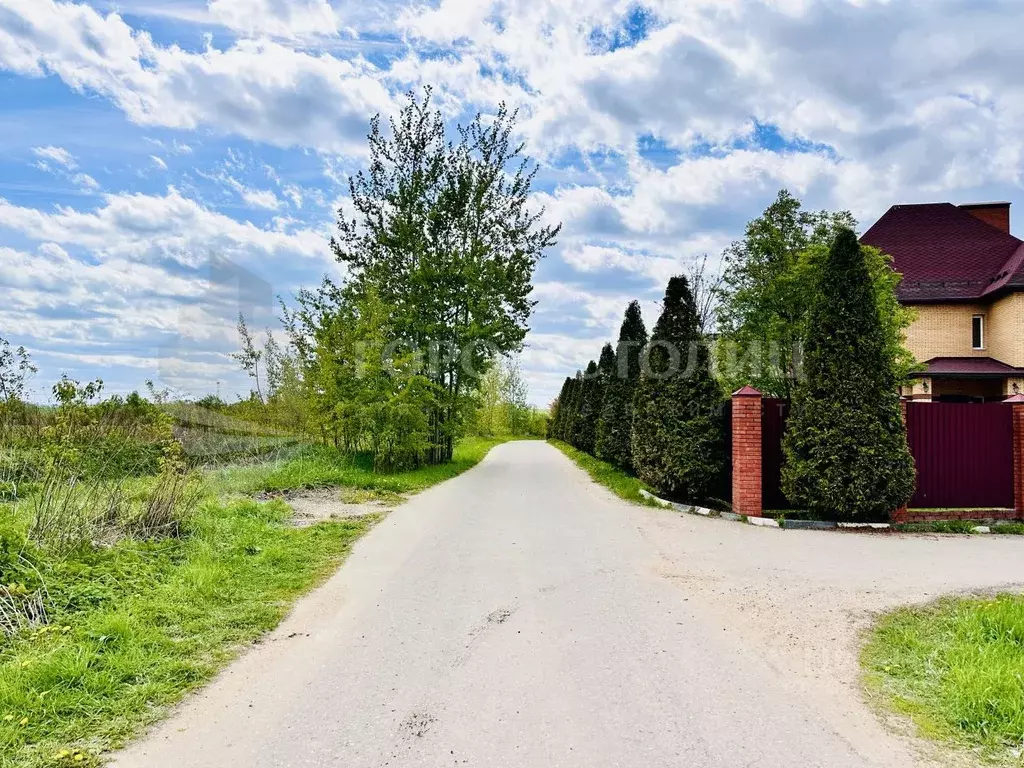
column 1015, row 399
column 749, row 391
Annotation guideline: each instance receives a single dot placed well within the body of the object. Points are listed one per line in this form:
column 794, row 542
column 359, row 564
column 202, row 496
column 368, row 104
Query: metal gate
column 964, row 454
column 773, row 424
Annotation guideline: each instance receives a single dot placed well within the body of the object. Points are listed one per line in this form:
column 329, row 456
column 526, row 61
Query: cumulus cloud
column 258, row 89
column 294, row 19
column 159, row 227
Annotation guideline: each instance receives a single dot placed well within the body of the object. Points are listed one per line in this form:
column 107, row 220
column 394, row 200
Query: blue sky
column 164, row 164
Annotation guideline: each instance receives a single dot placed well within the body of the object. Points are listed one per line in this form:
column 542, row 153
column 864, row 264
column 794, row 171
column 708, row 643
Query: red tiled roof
column 968, row 366
column 945, row 253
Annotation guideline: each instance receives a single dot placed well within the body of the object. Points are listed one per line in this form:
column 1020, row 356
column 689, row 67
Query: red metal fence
column 773, row 423
column 964, row 454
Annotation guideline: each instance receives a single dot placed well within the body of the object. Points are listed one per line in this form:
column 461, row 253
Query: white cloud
column 154, row 228
column 158, row 162
column 261, row 198
column 262, row 90
column 57, row 155
column 85, row 182
column 293, row 19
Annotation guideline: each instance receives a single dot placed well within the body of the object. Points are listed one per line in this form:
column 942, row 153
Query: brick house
column 964, row 274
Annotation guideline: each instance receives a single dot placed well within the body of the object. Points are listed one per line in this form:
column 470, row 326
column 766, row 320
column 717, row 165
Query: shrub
column 845, row 445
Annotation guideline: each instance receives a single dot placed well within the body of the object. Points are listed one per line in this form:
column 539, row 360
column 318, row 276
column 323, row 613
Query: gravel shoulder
column 802, row 600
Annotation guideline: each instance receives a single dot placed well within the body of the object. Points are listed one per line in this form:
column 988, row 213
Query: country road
column 519, row 616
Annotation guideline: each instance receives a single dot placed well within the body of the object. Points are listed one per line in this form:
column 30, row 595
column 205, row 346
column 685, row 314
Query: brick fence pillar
column 746, row 452
column 1017, row 404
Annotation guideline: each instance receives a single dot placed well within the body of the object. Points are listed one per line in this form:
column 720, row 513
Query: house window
column 978, row 332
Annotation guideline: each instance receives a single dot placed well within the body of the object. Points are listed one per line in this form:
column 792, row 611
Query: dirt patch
column 311, row 507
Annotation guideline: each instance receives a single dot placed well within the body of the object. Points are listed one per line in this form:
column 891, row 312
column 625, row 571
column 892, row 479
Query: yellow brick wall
column 944, row 330
column 1005, row 329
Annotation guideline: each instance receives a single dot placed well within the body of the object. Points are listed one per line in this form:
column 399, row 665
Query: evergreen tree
column 558, row 411
column 606, row 378
column 584, row 430
column 845, row 444
column 613, row 441
column 572, row 407
column 678, row 439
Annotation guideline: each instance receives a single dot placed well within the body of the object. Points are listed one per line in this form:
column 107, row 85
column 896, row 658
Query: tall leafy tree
column 584, row 428
column 678, row 439
column 616, row 422
column 444, row 234
column 767, row 294
column 845, row 446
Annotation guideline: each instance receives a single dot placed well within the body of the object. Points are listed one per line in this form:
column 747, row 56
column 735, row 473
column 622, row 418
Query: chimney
column 996, row 214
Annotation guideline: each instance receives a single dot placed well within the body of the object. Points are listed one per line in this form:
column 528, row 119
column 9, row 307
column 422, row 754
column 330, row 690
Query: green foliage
column 502, row 408
column 589, row 410
column 771, row 280
column 678, row 440
column 16, row 368
column 613, row 440
column 445, row 238
column 845, row 443
column 956, row 668
column 560, row 411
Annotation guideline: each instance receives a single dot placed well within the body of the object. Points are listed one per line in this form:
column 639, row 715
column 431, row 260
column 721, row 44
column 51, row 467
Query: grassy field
column 132, row 626
column 615, row 479
column 956, row 668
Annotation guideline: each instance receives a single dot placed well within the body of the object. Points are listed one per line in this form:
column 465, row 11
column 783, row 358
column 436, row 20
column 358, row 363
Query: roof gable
column 945, row 253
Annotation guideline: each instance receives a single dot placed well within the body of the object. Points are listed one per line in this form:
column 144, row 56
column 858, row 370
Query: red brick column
column 1017, row 403
column 746, row 452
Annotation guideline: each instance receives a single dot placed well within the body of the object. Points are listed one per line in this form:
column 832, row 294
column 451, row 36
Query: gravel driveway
column 521, row 616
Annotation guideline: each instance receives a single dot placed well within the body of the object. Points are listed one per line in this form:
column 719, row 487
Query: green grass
column 618, row 481
column 135, row 626
column 957, row 669
column 318, row 466
column 939, row 526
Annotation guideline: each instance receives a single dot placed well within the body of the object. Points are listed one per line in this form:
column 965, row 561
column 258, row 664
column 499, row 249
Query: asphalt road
column 515, row 616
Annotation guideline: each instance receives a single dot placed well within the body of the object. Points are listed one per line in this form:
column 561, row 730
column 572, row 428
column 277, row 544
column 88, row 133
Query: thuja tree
column 678, row 440
column 444, row 235
column 845, row 447
column 558, row 411
column 615, row 425
column 584, row 427
column 572, row 407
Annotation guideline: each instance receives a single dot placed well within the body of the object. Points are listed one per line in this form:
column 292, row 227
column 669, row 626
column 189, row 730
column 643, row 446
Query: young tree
column 515, row 398
column 845, row 445
column 16, row 368
column 584, row 427
column 444, row 234
column 678, row 440
column 616, row 422
column 762, row 317
column 249, row 357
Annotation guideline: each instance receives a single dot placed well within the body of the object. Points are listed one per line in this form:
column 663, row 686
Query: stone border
column 768, row 522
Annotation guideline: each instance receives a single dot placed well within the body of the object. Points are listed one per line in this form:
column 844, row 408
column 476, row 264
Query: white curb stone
column 763, row 522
